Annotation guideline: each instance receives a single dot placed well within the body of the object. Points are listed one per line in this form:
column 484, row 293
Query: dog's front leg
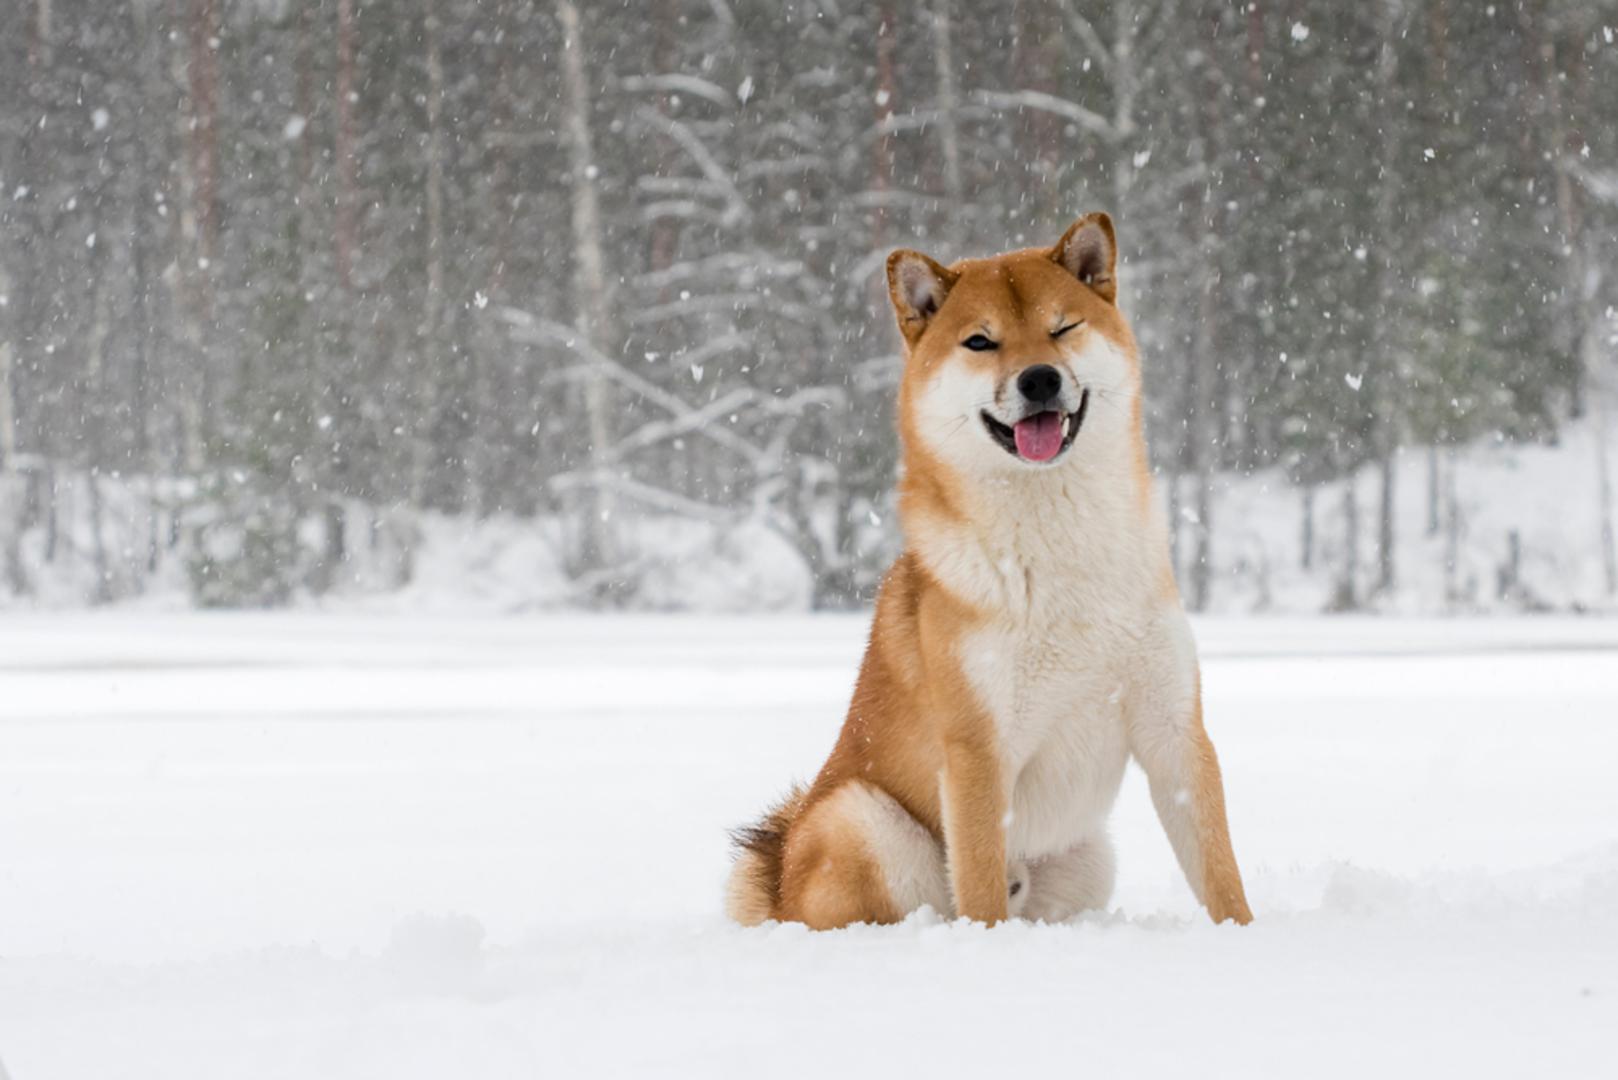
column 973, row 811
column 1189, row 794
column 1167, row 738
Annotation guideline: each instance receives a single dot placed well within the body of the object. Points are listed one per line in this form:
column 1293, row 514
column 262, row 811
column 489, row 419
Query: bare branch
column 1040, row 101
column 678, row 83
column 1086, row 31
column 645, row 494
column 739, row 263
column 737, row 210
column 529, row 328
column 1603, row 186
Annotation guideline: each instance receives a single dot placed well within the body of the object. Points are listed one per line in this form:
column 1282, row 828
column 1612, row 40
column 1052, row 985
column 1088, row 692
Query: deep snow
column 310, row 846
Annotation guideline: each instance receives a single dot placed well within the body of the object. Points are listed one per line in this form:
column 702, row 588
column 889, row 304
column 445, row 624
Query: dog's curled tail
column 754, row 889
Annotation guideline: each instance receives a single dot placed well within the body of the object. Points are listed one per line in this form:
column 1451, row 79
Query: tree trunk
column 589, row 287
column 147, row 176
column 1438, row 36
column 1432, row 490
column 663, row 232
column 48, row 512
column 1199, row 433
column 1582, row 273
column 336, row 540
column 8, row 408
column 1306, row 541
column 1452, row 536
column 347, row 168
column 424, row 449
column 345, row 246
column 39, row 46
column 1385, row 408
column 1385, row 578
column 1348, row 585
column 492, row 388
column 1203, row 395
column 1124, row 90
column 1255, row 49
column 1037, row 41
column 95, row 449
column 202, row 70
column 1174, row 520
column 11, row 517
column 887, row 93
column 1202, row 568
column 1604, row 512
column 949, row 131
column 192, row 298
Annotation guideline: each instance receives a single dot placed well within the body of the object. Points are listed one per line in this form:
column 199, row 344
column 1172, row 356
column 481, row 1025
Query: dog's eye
column 979, row 343
column 1059, row 331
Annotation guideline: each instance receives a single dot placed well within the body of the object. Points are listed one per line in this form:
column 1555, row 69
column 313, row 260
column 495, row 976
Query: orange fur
column 1222, row 891
column 917, row 730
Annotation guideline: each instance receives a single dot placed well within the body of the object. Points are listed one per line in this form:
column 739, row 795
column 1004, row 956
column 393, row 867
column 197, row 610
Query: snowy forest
column 576, row 303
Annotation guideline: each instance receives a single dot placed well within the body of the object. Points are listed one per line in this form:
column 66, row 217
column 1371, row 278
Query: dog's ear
column 917, row 286
column 1089, row 251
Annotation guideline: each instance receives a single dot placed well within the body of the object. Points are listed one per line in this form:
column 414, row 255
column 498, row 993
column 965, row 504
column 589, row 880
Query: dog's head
column 1017, row 362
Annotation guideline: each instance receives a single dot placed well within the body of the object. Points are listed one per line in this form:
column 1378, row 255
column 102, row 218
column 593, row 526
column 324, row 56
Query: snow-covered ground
column 321, row 846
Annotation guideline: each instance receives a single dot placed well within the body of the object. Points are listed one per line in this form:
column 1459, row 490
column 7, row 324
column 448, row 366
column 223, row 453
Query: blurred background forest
column 526, row 304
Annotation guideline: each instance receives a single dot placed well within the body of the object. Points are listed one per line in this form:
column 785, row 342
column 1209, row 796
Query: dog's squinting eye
column 1059, row 331
column 979, row 343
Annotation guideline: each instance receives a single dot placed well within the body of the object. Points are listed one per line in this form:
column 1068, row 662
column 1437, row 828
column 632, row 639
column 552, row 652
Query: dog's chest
column 1053, row 690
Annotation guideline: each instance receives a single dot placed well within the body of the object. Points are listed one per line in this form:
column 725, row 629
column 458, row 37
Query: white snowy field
column 335, row 846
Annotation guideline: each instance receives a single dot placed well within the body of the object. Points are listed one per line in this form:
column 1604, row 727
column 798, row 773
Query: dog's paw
column 1018, row 882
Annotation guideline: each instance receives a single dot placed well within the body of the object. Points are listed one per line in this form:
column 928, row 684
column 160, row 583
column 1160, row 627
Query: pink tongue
column 1039, row 437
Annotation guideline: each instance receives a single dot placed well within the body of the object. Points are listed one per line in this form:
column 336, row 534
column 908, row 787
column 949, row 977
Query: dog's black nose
column 1040, row 383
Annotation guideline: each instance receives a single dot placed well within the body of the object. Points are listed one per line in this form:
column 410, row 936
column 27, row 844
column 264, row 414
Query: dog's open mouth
column 1041, row 437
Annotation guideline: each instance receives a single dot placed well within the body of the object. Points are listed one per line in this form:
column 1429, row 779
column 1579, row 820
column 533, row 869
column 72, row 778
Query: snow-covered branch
column 681, row 83
column 1038, row 100
column 1094, row 47
column 736, row 207
column 534, row 330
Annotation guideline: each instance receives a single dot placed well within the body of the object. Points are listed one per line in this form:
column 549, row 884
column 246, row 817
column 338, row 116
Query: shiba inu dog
column 1028, row 642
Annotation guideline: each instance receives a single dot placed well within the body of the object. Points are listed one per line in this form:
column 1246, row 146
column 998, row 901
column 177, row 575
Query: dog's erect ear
column 918, row 287
column 1089, row 251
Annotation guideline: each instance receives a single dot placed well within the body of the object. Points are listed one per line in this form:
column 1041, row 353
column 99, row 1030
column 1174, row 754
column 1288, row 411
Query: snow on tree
column 283, row 282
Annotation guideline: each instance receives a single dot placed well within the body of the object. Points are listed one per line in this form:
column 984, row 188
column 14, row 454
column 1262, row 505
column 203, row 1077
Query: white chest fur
column 1055, row 695
column 1068, row 575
